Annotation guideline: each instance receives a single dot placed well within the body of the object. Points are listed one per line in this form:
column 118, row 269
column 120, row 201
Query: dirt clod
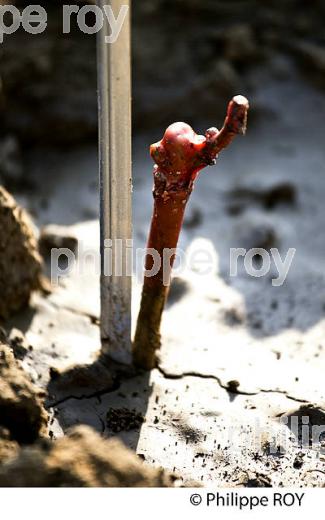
column 81, row 459
column 257, row 480
column 299, row 460
column 20, row 262
column 307, row 423
column 233, row 386
column 18, row 343
column 21, row 402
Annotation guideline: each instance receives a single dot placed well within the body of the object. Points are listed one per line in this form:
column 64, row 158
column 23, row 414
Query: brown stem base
column 147, row 338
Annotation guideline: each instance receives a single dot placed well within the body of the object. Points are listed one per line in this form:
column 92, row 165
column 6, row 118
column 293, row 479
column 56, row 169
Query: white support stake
column 114, row 85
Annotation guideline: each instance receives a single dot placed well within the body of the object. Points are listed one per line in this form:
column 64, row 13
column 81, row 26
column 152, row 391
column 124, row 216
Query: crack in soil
column 116, row 385
column 81, row 397
column 167, row 375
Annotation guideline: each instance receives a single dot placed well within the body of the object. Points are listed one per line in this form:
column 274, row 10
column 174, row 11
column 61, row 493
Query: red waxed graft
column 176, row 154
column 178, row 157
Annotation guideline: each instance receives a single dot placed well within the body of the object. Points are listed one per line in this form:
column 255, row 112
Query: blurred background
column 189, row 57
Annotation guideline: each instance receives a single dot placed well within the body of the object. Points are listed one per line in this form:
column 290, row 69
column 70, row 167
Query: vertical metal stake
column 114, row 84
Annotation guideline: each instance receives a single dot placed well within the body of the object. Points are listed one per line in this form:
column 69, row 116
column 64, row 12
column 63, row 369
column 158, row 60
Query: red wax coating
column 178, row 158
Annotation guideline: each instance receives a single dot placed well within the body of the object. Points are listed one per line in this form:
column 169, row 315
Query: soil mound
column 81, row 459
column 20, row 261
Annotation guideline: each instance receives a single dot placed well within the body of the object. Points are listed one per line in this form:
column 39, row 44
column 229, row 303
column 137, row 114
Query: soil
column 28, row 458
column 81, row 459
column 239, row 355
column 236, row 351
column 22, row 411
column 214, row 53
column 20, row 261
column 123, row 419
column 8, row 448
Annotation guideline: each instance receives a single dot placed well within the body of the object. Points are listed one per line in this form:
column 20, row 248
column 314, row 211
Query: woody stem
column 162, row 243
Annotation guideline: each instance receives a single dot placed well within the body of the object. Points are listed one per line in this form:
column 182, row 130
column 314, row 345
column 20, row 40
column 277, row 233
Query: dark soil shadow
column 21, row 320
column 110, row 397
